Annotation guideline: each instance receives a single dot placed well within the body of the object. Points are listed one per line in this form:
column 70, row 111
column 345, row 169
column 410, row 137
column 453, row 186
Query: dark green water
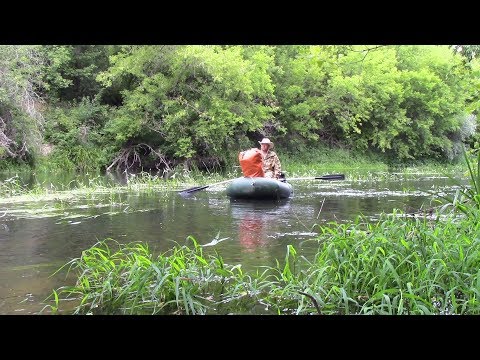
column 36, row 238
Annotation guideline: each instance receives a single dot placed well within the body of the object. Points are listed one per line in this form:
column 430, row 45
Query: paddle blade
column 193, row 189
column 331, row 177
column 198, row 188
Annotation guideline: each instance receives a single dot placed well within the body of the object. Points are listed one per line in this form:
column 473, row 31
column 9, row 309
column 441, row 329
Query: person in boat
column 271, row 163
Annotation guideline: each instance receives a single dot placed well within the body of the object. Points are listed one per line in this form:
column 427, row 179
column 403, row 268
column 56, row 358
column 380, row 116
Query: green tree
column 21, row 85
column 213, row 94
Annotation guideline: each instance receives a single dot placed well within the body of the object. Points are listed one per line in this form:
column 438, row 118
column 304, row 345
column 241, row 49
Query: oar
column 324, row 177
column 198, row 188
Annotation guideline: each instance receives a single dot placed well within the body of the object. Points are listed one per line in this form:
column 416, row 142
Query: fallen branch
column 130, row 157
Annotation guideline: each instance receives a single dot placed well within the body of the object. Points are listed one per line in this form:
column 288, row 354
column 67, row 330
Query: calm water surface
column 36, row 238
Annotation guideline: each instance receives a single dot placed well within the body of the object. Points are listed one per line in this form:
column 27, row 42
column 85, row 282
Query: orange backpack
column 251, row 162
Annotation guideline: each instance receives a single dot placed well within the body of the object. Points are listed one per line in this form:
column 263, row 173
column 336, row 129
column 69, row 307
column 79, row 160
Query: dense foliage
column 178, row 107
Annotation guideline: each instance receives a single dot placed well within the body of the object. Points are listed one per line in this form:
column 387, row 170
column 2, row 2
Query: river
column 38, row 237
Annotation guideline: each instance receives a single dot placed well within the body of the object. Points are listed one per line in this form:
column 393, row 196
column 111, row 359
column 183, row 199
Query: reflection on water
column 252, row 232
column 36, row 238
column 255, row 220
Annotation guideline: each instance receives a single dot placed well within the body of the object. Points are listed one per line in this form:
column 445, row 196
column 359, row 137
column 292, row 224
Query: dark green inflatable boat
column 258, row 188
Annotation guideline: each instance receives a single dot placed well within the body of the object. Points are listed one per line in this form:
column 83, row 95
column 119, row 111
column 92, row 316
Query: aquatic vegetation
column 130, row 280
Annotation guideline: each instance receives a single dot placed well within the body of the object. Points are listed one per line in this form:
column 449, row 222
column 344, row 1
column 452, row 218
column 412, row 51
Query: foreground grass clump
column 395, row 266
column 130, row 280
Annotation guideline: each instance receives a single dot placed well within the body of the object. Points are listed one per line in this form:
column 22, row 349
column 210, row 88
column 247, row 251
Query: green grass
column 467, row 198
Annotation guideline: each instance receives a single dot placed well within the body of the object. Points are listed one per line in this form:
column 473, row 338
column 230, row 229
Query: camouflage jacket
column 271, row 165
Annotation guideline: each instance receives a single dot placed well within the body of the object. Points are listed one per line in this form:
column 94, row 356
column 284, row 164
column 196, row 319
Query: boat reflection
column 256, row 221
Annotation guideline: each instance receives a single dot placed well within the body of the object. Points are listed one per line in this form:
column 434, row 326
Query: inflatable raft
column 258, row 188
